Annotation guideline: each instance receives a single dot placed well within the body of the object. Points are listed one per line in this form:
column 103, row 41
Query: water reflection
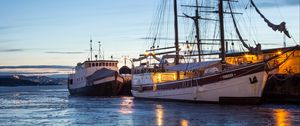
column 282, row 117
column 53, row 106
column 126, row 105
column 159, row 112
column 184, row 122
column 16, row 94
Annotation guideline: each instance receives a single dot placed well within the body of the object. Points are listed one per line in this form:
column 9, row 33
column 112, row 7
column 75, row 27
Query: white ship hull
column 236, row 89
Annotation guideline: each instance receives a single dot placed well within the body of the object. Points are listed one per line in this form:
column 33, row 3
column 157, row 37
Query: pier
column 282, row 88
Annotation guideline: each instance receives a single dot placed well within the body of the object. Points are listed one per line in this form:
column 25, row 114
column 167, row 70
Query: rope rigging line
column 275, row 77
column 236, row 28
column 251, row 27
column 157, row 23
column 297, row 43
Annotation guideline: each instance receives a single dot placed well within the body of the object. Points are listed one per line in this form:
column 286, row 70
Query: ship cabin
column 109, row 64
column 93, row 66
column 87, row 68
column 291, row 65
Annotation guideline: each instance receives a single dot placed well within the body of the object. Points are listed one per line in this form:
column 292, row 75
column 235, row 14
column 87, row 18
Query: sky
column 57, row 32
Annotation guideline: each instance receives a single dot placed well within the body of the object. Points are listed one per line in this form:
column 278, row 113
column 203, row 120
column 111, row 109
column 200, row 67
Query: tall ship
column 177, row 75
column 96, row 78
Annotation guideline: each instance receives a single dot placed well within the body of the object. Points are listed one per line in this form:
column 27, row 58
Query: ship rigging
column 210, row 81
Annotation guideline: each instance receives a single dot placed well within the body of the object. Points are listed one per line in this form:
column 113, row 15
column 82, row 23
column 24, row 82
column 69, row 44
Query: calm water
column 52, row 105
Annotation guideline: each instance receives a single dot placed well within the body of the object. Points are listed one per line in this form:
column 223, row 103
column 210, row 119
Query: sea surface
column 52, row 105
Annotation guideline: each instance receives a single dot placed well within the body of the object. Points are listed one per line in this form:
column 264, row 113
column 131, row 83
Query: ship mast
column 198, row 31
column 221, row 18
column 176, row 37
column 196, row 20
column 176, row 32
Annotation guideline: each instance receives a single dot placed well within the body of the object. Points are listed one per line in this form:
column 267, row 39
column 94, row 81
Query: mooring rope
column 275, row 77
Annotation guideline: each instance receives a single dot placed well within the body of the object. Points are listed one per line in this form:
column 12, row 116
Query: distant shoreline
column 17, row 85
column 19, row 80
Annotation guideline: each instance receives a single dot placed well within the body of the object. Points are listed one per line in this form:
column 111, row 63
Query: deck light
column 279, row 52
column 146, row 53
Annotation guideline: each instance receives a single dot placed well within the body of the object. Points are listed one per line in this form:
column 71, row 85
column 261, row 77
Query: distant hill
column 37, row 66
column 16, row 82
column 19, row 80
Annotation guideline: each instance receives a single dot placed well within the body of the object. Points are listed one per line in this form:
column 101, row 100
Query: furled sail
column 281, row 27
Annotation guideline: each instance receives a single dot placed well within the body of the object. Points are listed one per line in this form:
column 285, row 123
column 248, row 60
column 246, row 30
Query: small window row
column 110, row 64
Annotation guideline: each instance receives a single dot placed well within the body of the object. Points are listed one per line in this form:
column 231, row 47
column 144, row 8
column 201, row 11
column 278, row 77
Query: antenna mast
column 91, row 47
column 99, row 51
column 103, row 55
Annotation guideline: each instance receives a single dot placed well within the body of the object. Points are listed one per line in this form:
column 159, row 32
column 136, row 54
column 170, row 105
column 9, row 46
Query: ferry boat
column 96, row 78
column 203, row 81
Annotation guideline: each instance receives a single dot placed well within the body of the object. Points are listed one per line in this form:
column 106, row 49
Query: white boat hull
column 237, row 88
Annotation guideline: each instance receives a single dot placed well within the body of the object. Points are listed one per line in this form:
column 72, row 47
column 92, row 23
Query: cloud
column 12, row 50
column 277, row 3
column 57, row 52
column 292, row 2
column 7, row 40
column 6, row 27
